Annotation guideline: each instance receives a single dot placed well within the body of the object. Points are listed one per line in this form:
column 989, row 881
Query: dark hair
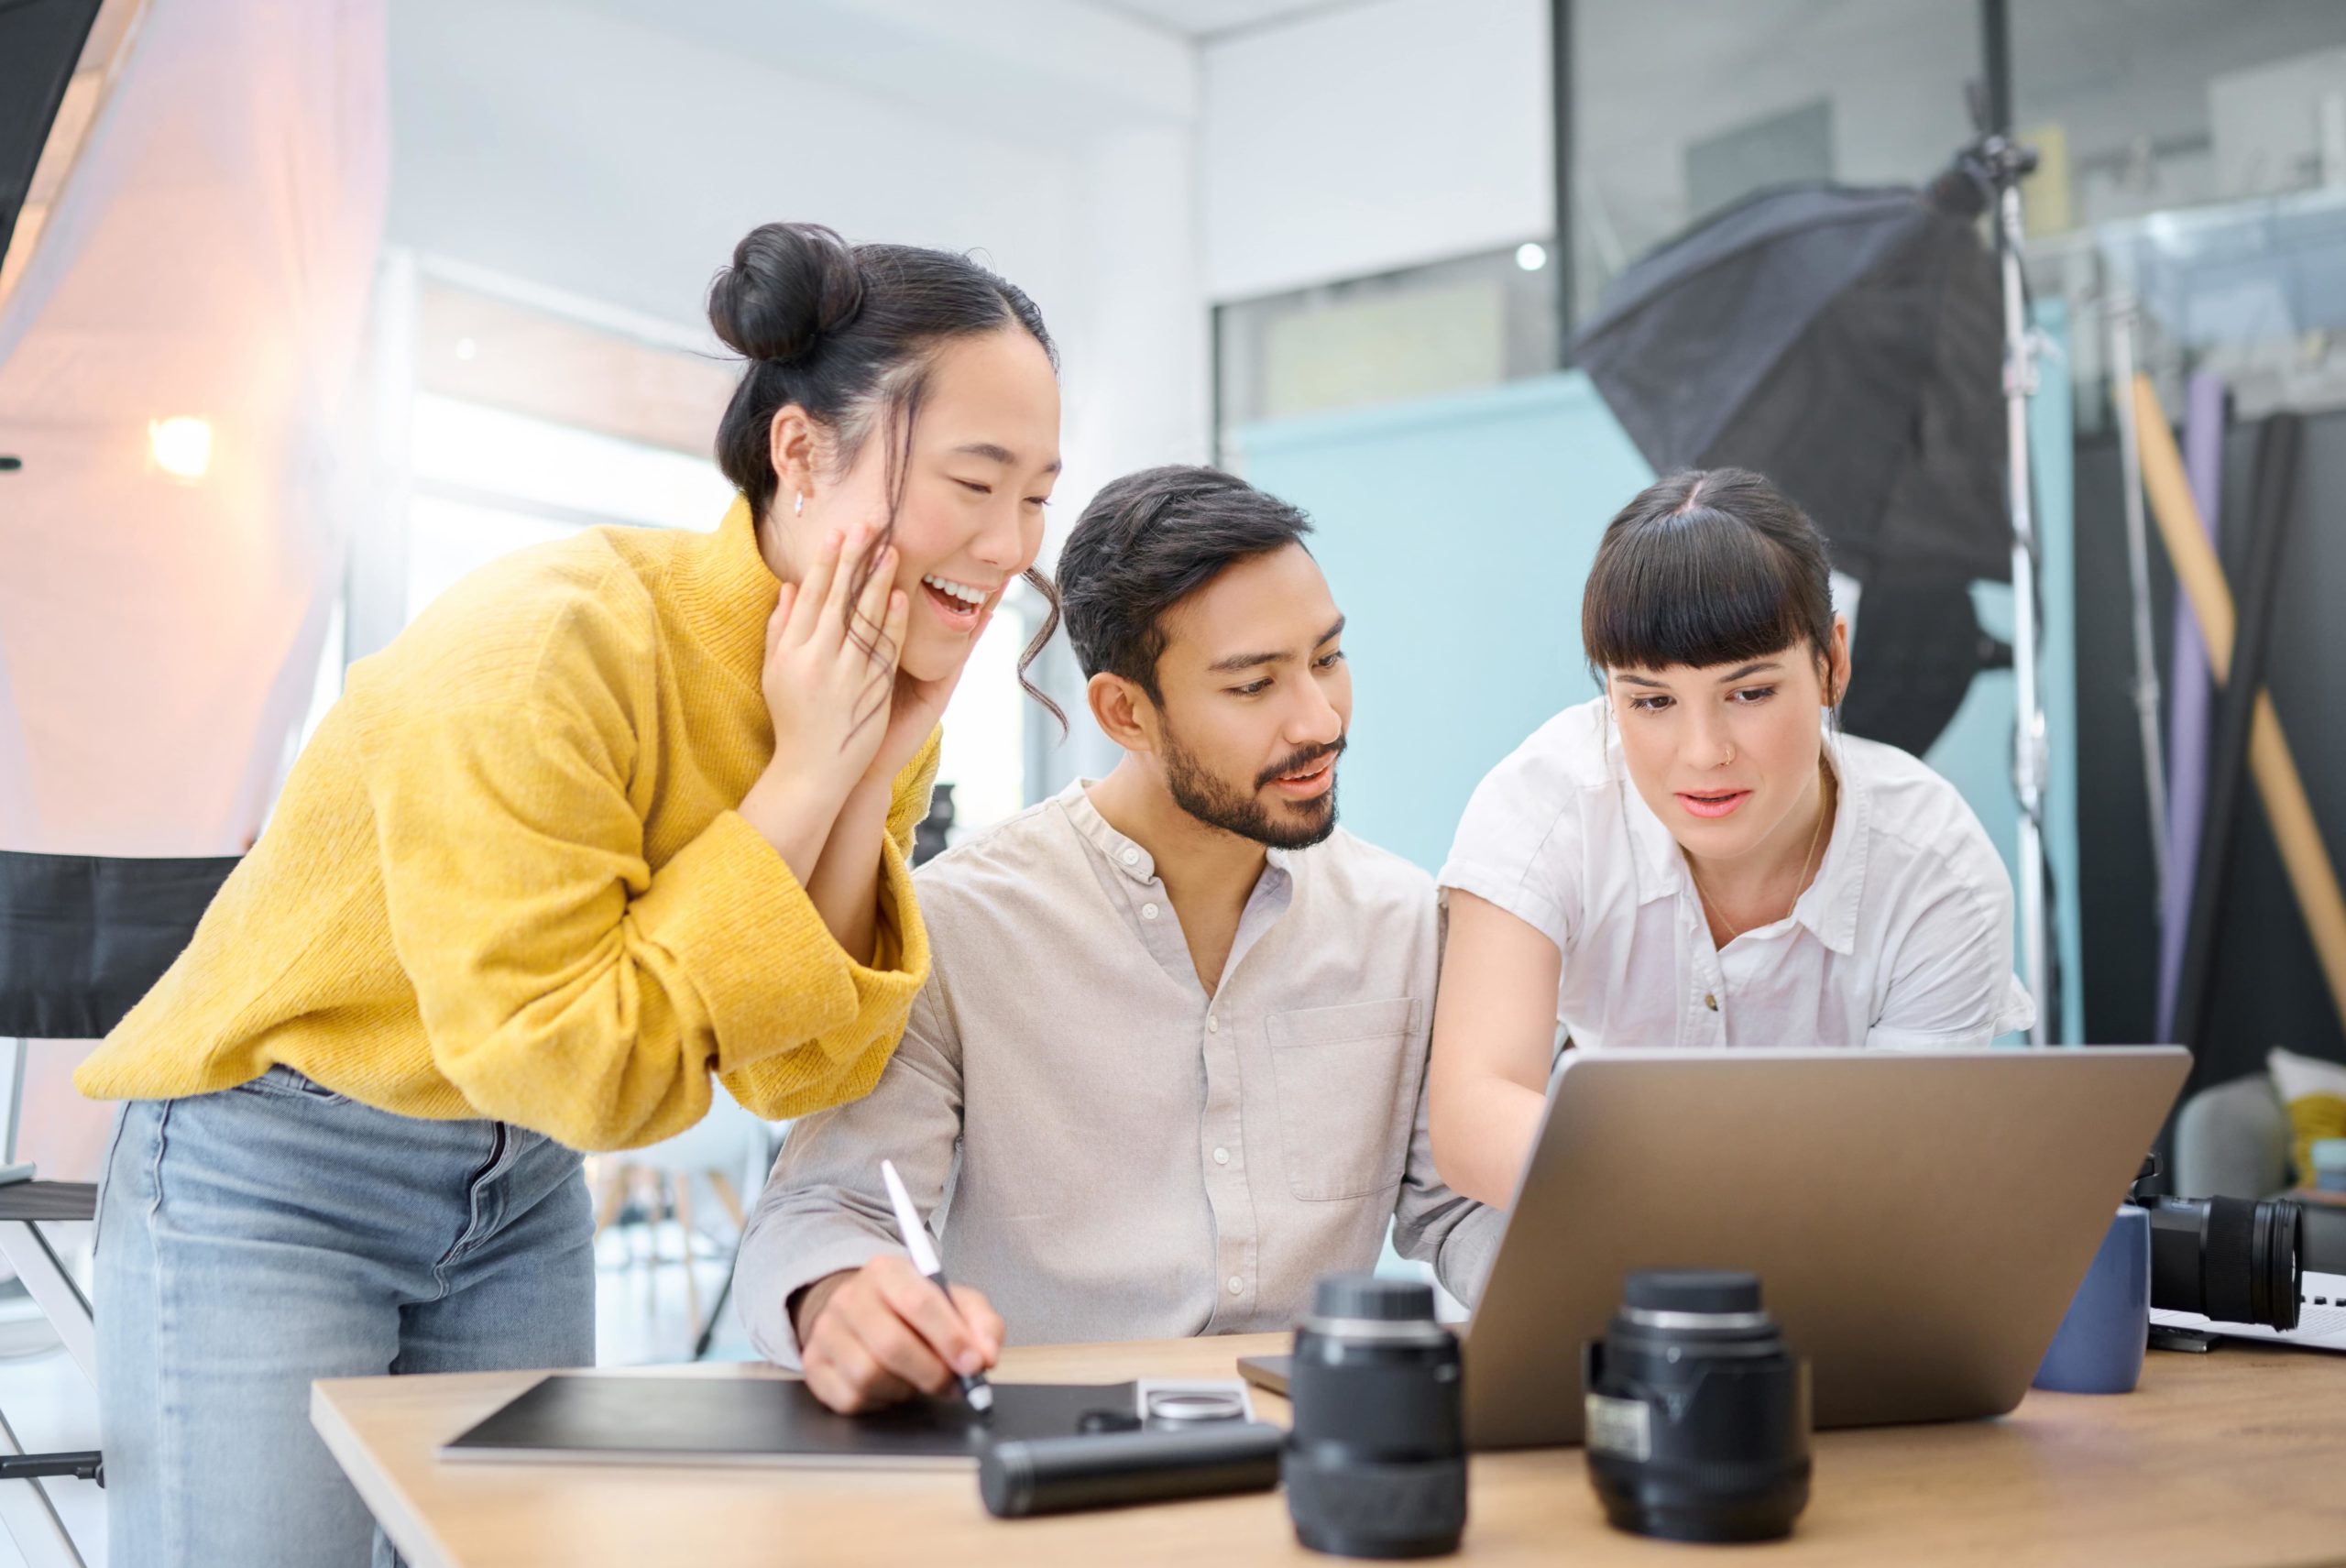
column 1148, row 541
column 1710, row 567
column 847, row 333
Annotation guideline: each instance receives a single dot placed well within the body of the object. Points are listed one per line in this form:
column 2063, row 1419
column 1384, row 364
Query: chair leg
column 611, row 1176
column 31, row 1519
column 724, row 1294
column 685, row 1234
column 727, row 1196
column 54, row 1291
column 652, row 1190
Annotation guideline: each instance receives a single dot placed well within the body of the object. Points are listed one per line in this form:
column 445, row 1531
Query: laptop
column 1918, row 1221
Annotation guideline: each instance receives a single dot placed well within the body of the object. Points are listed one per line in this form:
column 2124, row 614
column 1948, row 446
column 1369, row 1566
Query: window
column 1681, row 107
column 1445, row 327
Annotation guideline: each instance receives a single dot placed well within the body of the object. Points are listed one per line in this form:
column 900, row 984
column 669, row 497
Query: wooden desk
column 2236, row 1458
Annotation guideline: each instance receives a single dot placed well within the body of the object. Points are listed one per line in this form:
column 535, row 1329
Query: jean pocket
column 1348, row 1078
column 284, row 1083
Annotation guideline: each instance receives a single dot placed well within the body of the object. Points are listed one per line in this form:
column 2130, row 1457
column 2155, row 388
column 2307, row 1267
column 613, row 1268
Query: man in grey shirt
column 1169, row 1064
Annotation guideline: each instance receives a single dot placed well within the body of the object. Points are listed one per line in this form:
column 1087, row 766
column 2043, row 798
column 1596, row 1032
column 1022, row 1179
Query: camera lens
column 1698, row 1415
column 1376, row 1463
column 2226, row 1258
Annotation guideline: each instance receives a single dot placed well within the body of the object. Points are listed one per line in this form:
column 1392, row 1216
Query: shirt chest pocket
column 1348, row 1080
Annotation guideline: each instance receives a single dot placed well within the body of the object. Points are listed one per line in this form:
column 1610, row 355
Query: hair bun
column 789, row 284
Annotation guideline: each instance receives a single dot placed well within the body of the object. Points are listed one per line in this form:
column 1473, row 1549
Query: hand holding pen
column 974, row 1387
column 874, row 1336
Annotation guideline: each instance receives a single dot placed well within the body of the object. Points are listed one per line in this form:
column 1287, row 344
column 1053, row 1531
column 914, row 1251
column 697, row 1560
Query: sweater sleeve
column 566, row 986
column 853, row 1053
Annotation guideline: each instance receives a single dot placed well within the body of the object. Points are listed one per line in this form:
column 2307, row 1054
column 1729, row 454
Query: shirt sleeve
column 825, row 1208
column 778, row 1086
column 566, row 986
column 1513, row 848
column 1434, row 1224
column 1951, row 984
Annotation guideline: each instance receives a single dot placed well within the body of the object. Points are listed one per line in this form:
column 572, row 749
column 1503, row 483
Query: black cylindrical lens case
column 1698, row 1414
column 1375, row 1465
column 1020, row 1476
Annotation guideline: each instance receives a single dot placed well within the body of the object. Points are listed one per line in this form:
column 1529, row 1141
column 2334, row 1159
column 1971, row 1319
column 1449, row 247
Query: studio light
column 181, row 446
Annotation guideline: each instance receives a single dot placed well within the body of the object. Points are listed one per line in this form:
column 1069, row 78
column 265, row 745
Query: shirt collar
column 1829, row 904
column 1126, row 854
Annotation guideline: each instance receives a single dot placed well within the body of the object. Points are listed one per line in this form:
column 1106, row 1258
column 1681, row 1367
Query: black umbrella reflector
column 1912, row 657
column 1846, row 343
column 40, row 40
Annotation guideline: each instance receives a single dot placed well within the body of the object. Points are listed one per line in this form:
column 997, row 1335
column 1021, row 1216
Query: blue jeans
column 252, row 1240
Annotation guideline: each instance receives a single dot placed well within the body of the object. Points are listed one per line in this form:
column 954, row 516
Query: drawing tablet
column 761, row 1420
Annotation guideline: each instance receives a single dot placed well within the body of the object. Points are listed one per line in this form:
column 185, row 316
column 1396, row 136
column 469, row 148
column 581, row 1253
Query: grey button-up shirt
column 1110, row 1153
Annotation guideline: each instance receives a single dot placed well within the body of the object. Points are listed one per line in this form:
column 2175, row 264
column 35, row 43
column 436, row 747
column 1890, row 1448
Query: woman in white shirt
column 1698, row 857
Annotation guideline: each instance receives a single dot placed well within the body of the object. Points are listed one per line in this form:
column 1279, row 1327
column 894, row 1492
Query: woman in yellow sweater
column 614, row 818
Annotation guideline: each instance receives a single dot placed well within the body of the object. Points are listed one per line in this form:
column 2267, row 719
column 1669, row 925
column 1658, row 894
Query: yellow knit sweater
column 506, row 879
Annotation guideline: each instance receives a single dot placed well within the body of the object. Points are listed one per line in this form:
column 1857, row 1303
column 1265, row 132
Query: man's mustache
column 1300, row 760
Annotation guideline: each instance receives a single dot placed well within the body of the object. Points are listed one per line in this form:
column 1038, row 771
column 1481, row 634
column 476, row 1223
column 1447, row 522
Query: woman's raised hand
column 831, row 670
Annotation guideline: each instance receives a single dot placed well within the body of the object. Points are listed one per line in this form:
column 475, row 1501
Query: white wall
column 617, row 149
column 1374, row 137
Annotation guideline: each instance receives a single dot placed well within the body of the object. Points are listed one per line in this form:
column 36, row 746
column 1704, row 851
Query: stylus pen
column 974, row 1387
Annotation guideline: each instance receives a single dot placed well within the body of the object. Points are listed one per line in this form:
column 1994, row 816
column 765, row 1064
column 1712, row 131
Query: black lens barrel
column 1698, row 1414
column 2231, row 1259
column 1375, row 1465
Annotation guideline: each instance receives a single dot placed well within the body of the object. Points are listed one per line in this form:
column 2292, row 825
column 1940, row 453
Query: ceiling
column 1205, row 18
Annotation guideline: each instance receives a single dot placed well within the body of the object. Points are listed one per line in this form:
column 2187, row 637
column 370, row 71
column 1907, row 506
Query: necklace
column 1807, row 865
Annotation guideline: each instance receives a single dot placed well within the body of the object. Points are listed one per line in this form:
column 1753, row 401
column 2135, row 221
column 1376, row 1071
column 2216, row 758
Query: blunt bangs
column 1685, row 577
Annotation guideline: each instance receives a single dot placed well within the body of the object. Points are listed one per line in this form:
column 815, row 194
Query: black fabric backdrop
column 2268, row 987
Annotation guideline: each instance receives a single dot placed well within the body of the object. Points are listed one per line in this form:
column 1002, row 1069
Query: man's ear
column 1123, row 711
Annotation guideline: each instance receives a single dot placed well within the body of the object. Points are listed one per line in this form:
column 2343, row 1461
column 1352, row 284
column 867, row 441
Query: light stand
column 1999, row 164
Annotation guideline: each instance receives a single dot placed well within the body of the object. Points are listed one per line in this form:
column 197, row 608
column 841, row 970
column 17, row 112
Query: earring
column 800, row 510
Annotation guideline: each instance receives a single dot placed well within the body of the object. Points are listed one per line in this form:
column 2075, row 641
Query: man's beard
column 1218, row 805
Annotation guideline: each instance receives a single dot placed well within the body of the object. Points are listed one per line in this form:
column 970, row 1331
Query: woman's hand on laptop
column 875, row 1335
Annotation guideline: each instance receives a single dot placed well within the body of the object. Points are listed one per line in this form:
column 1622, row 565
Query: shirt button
column 1213, row 1024
column 1711, row 1001
column 1132, row 857
column 1222, row 1156
column 1237, row 1286
column 1148, row 912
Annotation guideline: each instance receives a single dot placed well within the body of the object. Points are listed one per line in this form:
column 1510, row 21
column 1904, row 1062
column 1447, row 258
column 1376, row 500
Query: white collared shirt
column 1903, row 939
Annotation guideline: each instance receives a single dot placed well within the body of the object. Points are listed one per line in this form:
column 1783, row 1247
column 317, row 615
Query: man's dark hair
column 1148, row 541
